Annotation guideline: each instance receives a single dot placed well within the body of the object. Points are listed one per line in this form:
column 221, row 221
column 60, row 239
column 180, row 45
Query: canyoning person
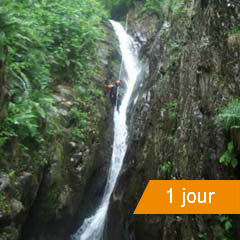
column 119, row 97
column 113, row 93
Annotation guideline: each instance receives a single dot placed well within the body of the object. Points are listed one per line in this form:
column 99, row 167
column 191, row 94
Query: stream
column 93, row 226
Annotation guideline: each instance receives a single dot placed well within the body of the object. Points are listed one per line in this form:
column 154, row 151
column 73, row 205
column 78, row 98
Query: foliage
column 235, row 29
column 172, row 110
column 4, row 204
column 85, row 116
column 166, row 167
column 48, row 43
column 50, row 38
column 228, row 158
column 50, row 204
column 203, row 236
column 227, row 222
column 117, row 8
column 178, row 7
column 26, row 117
column 230, row 115
column 228, row 225
column 163, row 6
column 179, row 218
column 153, row 7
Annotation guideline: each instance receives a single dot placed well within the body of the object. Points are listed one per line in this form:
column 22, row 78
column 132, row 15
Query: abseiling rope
column 120, row 71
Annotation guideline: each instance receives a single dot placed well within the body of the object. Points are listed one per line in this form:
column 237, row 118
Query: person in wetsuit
column 113, row 94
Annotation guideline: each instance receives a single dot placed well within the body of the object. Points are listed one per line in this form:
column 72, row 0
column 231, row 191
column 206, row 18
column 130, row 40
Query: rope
column 126, row 28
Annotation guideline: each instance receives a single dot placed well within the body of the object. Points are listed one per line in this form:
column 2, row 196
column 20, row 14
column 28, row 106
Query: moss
column 4, row 204
column 176, row 7
column 203, row 236
column 57, row 172
column 229, row 116
column 9, row 233
column 53, row 199
column 228, row 158
column 227, row 224
column 49, row 204
column 172, row 110
column 234, row 40
column 235, row 29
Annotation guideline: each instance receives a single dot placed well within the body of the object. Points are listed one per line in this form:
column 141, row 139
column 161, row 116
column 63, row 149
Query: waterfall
column 92, row 227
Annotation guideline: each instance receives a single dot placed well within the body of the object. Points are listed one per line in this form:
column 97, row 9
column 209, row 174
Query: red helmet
column 117, row 82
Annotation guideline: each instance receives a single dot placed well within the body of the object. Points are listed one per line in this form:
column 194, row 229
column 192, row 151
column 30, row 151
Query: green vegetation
column 118, row 8
column 178, row 8
column 159, row 7
column 23, row 116
column 44, row 44
column 228, row 158
column 179, row 218
column 4, row 204
column 172, row 110
column 49, row 54
column 166, row 167
column 203, row 236
column 50, row 203
column 227, row 222
column 235, row 29
column 153, row 7
column 230, row 115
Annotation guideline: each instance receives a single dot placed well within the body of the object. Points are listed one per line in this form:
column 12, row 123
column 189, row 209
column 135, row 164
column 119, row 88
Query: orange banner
column 190, row 197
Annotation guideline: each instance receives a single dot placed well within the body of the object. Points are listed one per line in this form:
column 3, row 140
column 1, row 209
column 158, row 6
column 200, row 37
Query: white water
column 92, row 227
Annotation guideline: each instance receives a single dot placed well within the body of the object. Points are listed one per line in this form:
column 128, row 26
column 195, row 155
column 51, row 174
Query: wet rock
column 191, row 71
column 72, row 182
column 16, row 207
column 4, row 182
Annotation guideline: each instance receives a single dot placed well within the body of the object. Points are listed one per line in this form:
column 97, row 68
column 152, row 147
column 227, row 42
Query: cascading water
column 92, row 227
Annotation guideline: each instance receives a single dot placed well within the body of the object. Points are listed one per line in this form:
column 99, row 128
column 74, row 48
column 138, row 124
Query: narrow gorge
column 78, row 150
column 93, row 227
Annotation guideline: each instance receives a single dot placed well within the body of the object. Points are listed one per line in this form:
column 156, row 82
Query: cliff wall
column 191, row 62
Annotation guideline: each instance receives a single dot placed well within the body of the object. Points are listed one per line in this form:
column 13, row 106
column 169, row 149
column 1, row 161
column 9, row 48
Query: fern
column 230, row 115
column 228, row 158
column 48, row 43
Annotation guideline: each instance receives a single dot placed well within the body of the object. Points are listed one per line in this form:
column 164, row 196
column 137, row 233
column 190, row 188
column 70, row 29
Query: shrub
column 153, row 7
column 162, row 6
column 230, row 115
column 117, row 8
column 228, row 158
column 48, row 42
column 24, row 116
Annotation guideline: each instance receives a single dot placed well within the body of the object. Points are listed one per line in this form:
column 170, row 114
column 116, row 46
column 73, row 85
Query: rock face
column 50, row 201
column 82, row 170
column 191, row 70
